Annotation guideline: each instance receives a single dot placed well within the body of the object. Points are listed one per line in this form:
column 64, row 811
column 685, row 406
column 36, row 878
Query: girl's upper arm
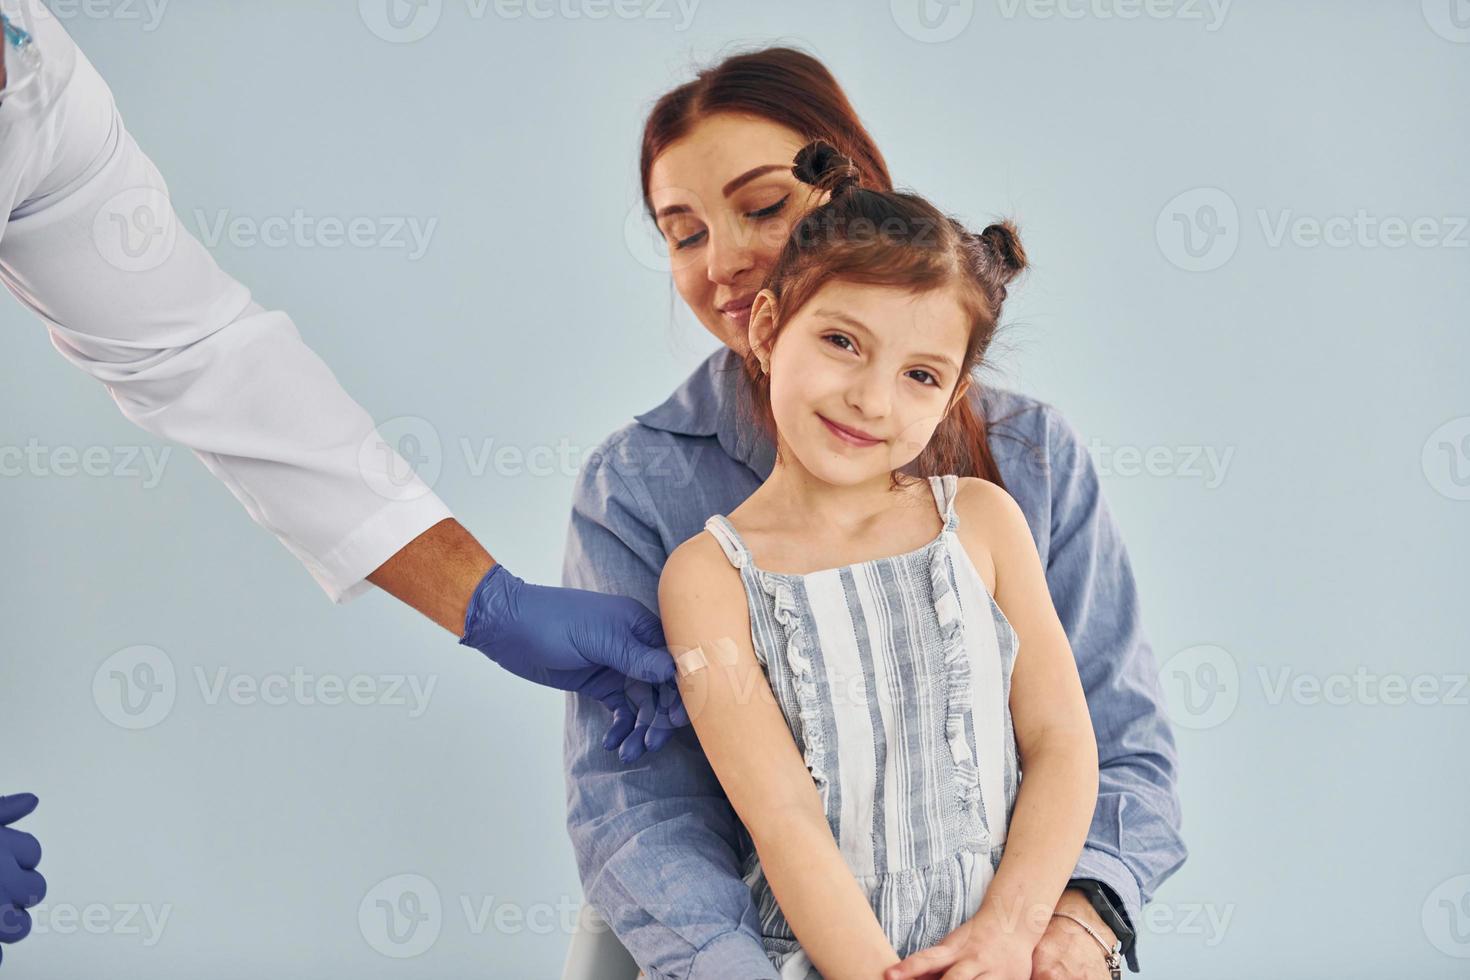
column 730, row 702
column 1046, row 691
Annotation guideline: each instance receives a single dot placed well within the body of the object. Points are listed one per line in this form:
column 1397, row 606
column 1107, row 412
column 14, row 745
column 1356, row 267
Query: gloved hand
column 607, row 647
column 21, row 885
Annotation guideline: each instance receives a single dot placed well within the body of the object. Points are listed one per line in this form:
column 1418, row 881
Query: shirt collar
column 715, row 401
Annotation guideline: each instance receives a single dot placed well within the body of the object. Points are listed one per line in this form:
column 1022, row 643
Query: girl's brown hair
column 893, row 238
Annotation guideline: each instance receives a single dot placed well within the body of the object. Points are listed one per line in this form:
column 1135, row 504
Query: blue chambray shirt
column 658, row 846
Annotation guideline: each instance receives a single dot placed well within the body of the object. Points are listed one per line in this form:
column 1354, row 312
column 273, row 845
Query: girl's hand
column 974, row 951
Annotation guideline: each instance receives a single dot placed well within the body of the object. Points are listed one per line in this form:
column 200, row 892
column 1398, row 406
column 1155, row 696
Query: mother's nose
column 731, row 256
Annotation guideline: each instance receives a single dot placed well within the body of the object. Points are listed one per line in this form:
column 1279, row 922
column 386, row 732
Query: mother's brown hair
column 793, row 89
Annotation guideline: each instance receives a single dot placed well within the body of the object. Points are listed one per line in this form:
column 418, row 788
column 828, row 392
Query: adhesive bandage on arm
column 690, row 661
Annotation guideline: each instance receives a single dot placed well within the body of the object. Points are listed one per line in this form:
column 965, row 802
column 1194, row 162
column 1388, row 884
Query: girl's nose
column 869, row 395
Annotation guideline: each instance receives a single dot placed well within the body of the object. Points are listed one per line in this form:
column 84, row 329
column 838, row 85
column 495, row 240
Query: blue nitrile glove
column 21, row 885
column 659, row 712
column 607, row 647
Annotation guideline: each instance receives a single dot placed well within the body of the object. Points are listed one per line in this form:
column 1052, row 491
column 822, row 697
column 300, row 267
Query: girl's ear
column 762, row 326
column 959, row 393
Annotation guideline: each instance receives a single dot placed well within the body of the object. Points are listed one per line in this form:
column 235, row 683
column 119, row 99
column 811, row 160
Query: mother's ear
column 762, row 330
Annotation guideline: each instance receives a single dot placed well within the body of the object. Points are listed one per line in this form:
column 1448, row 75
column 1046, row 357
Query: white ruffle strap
column 788, row 614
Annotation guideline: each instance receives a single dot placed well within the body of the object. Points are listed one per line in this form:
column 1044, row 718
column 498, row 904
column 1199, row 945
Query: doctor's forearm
column 436, row 573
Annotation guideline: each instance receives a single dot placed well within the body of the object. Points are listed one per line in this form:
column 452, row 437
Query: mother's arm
column 656, row 841
column 1134, row 843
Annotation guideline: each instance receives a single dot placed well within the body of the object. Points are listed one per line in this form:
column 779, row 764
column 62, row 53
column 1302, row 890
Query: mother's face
column 725, row 201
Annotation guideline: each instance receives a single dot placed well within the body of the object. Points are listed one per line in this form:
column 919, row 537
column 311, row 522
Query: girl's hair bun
column 1000, row 243
column 822, row 165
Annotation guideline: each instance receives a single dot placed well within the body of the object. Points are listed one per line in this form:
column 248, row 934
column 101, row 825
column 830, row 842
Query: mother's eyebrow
column 738, row 182
column 734, row 184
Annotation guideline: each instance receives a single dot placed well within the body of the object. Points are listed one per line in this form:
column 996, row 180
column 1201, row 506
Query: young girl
column 848, row 639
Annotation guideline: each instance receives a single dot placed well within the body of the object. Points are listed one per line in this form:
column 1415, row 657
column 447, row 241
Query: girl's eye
column 691, row 240
column 840, row 337
column 770, row 210
column 932, row 380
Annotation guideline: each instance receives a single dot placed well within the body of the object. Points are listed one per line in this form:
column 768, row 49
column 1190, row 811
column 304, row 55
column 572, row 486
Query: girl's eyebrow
column 862, row 328
column 731, row 187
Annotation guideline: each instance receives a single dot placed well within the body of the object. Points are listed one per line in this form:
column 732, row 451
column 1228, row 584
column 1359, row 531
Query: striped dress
column 894, row 676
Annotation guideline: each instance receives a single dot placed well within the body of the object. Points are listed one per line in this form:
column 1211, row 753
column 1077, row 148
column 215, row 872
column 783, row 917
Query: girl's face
column 861, row 376
column 725, row 201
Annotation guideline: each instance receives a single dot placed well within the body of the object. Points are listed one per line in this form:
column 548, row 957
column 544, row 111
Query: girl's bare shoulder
column 698, row 570
column 992, row 525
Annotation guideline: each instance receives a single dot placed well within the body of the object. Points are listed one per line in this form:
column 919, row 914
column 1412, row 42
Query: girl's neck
column 805, row 501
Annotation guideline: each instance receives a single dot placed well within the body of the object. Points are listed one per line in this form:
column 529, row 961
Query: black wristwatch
column 1106, row 904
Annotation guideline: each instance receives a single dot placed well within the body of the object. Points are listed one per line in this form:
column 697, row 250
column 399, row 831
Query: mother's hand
column 1066, row 951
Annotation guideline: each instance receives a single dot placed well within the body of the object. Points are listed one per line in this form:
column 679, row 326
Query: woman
column 660, row 851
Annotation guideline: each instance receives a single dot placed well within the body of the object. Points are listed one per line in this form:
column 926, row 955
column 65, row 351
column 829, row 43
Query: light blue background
column 1319, row 832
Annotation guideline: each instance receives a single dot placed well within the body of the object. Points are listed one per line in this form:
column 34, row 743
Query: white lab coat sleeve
column 131, row 298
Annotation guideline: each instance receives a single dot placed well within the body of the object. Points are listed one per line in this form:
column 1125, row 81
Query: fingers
column 621, row 727
column 648, row 658
column 663, row 727
column 21, row 886
column 651, row 664
column 925, row 961
column 678, row 710
column 19, row 890
column 15, row 924
column 648, row 629
column 12, row 808
column 25, row 848
column 964, row 970
column 645, row 702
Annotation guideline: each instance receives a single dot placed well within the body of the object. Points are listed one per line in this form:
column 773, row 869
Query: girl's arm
column 1054, row 735
column 751, row 750
column 1058, row 752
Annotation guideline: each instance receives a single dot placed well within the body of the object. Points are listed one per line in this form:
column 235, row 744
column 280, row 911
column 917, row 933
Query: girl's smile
column 853, row 437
